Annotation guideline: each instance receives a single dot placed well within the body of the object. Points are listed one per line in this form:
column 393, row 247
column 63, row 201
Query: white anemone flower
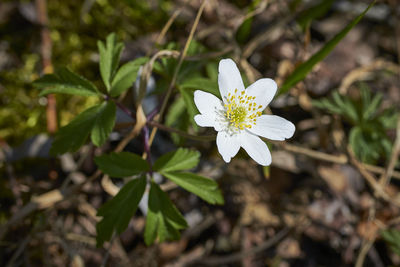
column 238, row 118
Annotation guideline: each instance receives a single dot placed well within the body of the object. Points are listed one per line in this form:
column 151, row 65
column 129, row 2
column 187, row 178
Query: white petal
column 204, row 120
column 264, row 91
column 273, row 127
column 256, row 148
column 209, row 120
column 228, row 145
column 229, row 78
column 206, row 103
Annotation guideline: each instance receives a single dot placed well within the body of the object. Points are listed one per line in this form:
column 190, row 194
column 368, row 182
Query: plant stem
column 147, row 147
column 124, row 109
column 181, row 133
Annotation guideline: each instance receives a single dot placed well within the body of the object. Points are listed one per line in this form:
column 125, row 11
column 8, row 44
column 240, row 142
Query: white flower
column 238, row 117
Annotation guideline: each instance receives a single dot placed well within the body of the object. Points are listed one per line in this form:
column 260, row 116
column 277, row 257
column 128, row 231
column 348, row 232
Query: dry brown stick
column 363, row 72
column 219, row 261
column 21, row 247
column 45, row 49
column 340, row 159
column 174, row 77
column 387, row 175
column 366, row 246
column 168, row 25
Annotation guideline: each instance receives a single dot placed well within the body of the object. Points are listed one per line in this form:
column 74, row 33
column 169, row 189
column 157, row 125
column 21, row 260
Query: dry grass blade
column 387, row 175
column 378, row 188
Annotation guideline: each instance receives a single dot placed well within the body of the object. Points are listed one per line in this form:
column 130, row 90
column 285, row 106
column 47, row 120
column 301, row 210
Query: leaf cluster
column 392, row 238
column 369, row 121
column 98, row 120
column 163, row 219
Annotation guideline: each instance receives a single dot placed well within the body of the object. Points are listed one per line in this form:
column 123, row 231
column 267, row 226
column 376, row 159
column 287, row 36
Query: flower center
column 241, row 110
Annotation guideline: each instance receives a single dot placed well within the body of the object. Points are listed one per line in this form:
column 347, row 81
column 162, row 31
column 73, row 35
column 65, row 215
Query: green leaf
column 326, row 104
column 392, row 237
column 181, row 159
column 109, row 58
column 187, row 87
column 388, row 118
column 121, row 164
column 371, row 108
column 74, row 135
column 203, row 187
column 244, row 30
column 97, row 120
column 201, row 83
column 354, row 139
column 163, row 218
column 126, row 76
column 175, row 112
column 119, row 210
column 346, row 105
column 314, row 12
column 188, row 98
column 178, row 118
column 65, row 81
column 302, row 70
column 104, row 123
column 212, row 71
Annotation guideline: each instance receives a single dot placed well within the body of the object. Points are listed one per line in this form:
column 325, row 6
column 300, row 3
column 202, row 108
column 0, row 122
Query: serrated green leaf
column 388, row 118
column 350, row 111
column 163, row 218
column 303, row 69
column 74, row 135
column 126, row 76
column 181, row 159
column 121, row 164
column 203, row 187
column 365, row 94
column 104, row 124
column 371, row 108
column 64, row 81
column 326, row 104
column 97, row 120
column 354, row 139
column 119, row 210
column 200, row 83
column 109, row 58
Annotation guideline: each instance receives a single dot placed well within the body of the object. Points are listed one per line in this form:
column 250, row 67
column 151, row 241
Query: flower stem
column 179, row 132
column 124, row 109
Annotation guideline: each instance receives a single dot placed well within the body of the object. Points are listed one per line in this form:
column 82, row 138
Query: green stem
column 181, row 133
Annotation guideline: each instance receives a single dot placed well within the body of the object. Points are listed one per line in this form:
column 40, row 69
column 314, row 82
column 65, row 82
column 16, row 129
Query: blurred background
column 331, row 196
